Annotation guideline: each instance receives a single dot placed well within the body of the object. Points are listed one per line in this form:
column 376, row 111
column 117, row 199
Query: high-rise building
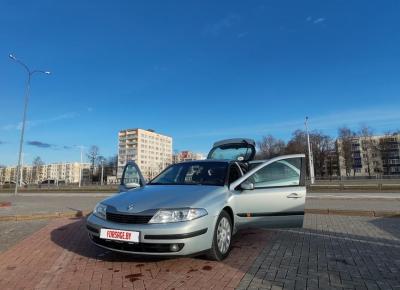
column 151, row 151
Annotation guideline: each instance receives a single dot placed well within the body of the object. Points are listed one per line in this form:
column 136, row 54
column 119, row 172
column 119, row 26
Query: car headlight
column 100, row 211
column 177, row 215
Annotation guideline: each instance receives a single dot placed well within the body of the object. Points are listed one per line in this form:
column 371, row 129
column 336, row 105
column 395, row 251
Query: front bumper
column 156, row 239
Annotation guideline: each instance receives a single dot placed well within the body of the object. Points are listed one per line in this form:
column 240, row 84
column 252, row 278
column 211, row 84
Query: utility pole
column 102, row 171
column 310, row 155
column 27, row 92
column 80, row 167
column 21, row 171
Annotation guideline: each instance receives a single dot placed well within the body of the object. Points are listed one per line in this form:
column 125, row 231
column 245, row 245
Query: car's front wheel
column 221, row 245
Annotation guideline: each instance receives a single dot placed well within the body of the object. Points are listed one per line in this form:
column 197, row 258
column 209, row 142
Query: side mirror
column 131, row 185
column 247, row 185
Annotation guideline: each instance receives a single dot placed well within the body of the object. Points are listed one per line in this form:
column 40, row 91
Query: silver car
column 196, row 206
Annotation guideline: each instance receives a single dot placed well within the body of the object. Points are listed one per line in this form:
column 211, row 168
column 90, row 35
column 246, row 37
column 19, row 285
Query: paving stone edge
column 346, row 212
column 70, row 214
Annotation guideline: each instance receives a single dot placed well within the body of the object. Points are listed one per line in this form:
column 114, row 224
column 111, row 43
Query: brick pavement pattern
column 60, row 256
column 330, row 252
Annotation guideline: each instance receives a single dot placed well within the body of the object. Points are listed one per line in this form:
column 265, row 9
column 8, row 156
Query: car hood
column 153, row 197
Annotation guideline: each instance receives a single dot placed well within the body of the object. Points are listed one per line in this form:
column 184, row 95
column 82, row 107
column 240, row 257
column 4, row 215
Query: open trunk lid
column 239, row 149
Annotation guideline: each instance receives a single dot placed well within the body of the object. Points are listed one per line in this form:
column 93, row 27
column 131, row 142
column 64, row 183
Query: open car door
column 131, row 177
column 238, row 149
column 273, row 194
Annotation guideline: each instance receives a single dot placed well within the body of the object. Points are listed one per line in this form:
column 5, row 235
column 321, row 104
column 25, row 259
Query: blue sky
column 198, row 71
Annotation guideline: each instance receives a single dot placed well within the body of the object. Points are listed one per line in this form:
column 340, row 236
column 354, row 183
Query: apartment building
column 370, row 156
column 187, row 156
column 330, row 165
column 58, row 172
column 151, row 151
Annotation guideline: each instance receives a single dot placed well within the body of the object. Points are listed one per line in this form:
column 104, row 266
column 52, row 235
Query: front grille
column 142, row 247
column 128, row 218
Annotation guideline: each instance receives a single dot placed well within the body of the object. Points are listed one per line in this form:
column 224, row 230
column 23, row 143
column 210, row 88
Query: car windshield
column 193, row 173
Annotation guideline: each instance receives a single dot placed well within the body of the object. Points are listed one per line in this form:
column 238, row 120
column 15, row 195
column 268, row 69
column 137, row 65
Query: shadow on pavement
column 155, row 271
column 73, row 237
column 390, row 225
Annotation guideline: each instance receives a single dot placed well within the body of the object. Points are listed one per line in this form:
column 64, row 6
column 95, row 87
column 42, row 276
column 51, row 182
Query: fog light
column 174, row 248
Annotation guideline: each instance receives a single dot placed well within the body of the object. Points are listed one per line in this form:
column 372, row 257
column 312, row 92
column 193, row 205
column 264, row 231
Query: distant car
column 196, row 206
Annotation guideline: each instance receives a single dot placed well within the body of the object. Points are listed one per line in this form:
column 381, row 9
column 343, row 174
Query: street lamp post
column 27, row 92
column 81, row 147
column 310, row 155
column 102, row 171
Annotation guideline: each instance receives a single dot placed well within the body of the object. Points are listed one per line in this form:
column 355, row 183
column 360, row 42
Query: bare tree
column 37, row 163
column 93, row 155
column 298, row 143
column 345, row 141
column 368, row 146
column 322, row 147
column 101, row 160
column 270, row 147
column 112, row 164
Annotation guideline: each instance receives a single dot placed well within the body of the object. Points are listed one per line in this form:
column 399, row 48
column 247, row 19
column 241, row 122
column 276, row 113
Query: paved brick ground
column 330, row 252
column 60, row 256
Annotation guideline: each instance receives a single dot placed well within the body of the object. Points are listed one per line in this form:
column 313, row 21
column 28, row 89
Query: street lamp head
column 12, row 56
column 47, row 73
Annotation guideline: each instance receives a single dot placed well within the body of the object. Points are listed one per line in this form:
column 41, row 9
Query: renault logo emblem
column 131, row 207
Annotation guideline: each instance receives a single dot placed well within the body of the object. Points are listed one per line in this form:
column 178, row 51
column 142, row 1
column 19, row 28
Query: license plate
column 119, row 235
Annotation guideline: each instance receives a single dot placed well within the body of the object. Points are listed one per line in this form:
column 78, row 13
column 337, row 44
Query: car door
column 272, row 194
column 131, row 177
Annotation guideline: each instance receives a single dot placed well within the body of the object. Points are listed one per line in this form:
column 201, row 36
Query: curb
column 371, row 213
column 80, row 213
column 342, row 197
column 70, row 214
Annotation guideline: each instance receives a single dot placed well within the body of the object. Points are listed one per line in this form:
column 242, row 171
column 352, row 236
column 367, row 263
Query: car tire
column 222, row 238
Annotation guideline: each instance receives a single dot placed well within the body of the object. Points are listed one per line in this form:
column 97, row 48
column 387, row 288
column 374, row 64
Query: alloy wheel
column 224, row 235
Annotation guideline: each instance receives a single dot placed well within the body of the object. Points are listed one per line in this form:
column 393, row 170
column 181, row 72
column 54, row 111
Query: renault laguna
column 197, row 206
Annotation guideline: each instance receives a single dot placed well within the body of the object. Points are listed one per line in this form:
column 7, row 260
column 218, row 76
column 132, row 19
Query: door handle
column 294, row 195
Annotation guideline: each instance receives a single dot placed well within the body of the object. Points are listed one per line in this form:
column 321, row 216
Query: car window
column 193, row 173
column 131, row 174
column 279, row 173
column 231, row 152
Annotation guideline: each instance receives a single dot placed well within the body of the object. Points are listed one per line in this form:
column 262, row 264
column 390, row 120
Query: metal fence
column 87, row 186
column 355, row 178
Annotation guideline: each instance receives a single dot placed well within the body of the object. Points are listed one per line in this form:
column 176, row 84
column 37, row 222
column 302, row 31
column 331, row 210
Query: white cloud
column 34, row 123
column 315, row 20
column 223, row 24
column 378, row 118
column 319, row 20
